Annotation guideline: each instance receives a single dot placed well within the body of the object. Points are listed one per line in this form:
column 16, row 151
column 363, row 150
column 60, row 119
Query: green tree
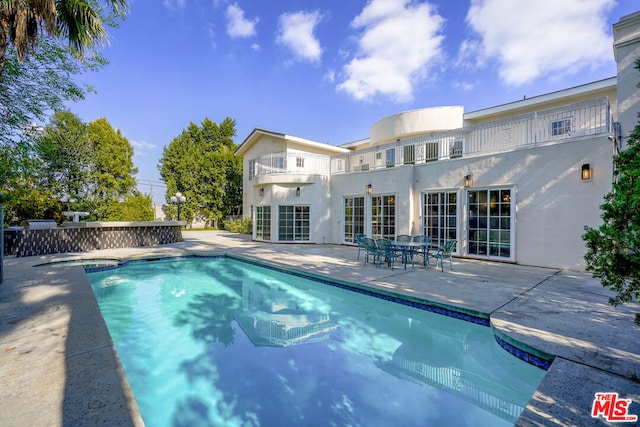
column 200, row 164
column 31, row 202
column 136, row 207
column 42, row 83
column 112, row 171
column 613, row 250
column 66, row 156
column 80, row 22
column 29, row 92
column 90, row 163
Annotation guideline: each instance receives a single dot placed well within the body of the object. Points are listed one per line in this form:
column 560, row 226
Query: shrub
column 241, row 225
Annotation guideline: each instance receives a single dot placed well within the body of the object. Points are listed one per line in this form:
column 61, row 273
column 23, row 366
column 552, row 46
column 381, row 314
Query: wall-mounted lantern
column 298, row 191
column 369, row 189
column 467, row 181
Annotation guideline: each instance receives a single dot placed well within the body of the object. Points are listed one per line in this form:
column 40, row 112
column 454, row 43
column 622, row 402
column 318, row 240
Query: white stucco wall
column 552, row 203
column 395, row 181
column 627, row 51
column 314, row 194
column 408, row 123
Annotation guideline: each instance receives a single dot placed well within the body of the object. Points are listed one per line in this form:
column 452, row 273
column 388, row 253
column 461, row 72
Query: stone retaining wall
column 82, row 237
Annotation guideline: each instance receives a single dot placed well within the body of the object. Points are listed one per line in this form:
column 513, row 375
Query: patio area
column 59, row 366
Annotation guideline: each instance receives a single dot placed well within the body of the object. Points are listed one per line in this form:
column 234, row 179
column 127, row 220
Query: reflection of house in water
column 271, row 316
column 435, row 367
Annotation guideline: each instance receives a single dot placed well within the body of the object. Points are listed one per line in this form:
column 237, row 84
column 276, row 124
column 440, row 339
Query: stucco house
column 519, row 182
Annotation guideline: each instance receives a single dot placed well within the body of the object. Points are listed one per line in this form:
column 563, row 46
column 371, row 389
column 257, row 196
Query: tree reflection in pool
column 219, row 341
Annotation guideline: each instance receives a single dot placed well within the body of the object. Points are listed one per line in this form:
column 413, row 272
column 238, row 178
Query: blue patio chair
column 423, row 251
column 403, row 238
column 360, row 244
column 444, row 253
column 387, row 251
column 370, row 249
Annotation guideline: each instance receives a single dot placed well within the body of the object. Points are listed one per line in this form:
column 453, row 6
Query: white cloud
column 175, row 4
column 533, row 39
column 296, row 32
column 330, row 76
column 209, row 28
column 400, row 41
column 140, row 148
column 237, row 25
column 464, row 85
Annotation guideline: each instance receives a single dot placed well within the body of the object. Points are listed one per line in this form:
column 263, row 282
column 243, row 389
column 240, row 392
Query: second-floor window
column 278, row 164
column 409, row 154
column 391, row 157
column 252, row 169
column 431, row 151
column 455, row 148
column 561, row 127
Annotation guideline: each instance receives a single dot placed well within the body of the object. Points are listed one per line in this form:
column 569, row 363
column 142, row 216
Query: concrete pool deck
column 58, row 366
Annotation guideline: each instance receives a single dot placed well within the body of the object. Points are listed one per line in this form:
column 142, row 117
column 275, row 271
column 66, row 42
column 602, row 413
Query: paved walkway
column 58, row 365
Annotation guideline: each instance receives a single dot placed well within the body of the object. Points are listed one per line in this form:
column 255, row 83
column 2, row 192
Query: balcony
column 551, row 126
column 288, row 167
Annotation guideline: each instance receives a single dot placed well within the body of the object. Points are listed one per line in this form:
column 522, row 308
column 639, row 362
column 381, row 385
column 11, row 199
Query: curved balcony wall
column 424, row 120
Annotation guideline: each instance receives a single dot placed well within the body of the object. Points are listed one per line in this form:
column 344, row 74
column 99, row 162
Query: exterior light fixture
column 261, row 192
column 467, row 181
column 298, row 191
column 178, row 199
column 586, row 172
column 369, row 189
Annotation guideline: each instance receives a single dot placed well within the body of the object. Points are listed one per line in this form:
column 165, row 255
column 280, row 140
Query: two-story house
column 519, row 182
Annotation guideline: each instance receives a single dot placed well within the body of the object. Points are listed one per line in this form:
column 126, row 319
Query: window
column 455, row 148
column 278, row 164
column 300, row 162
column 431, row 151
column 378, row 159
column 409, row 152
column 383, row 216
column 561, row 127
column 391, row 157
column 252, row 169
column 353, row 218
column 263, row 222
column 489, row 228
column 440, row 216
column 293, row 224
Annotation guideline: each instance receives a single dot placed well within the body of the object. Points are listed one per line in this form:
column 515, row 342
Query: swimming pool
column 219, row 341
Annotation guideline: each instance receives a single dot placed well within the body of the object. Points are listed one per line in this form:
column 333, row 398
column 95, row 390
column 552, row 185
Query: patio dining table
column 408, row 250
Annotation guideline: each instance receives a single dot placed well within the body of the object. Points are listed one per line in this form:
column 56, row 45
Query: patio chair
column 387, row 251
column 444, row 253
column 423, row 251
column 403, row 238
column 360, row 244
column 370, row 249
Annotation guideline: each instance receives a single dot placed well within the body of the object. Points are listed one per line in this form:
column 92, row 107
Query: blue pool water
column 222, row 342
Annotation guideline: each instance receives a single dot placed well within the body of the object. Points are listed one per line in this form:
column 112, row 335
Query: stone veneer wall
column 89, row 236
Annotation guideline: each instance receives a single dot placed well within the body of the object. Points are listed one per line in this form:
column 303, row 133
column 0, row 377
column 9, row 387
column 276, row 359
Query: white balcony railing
column 550, row 126
column 290, row 163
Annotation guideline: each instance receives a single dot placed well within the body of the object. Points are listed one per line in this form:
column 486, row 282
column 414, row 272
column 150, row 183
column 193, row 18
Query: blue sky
column 327, row 70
